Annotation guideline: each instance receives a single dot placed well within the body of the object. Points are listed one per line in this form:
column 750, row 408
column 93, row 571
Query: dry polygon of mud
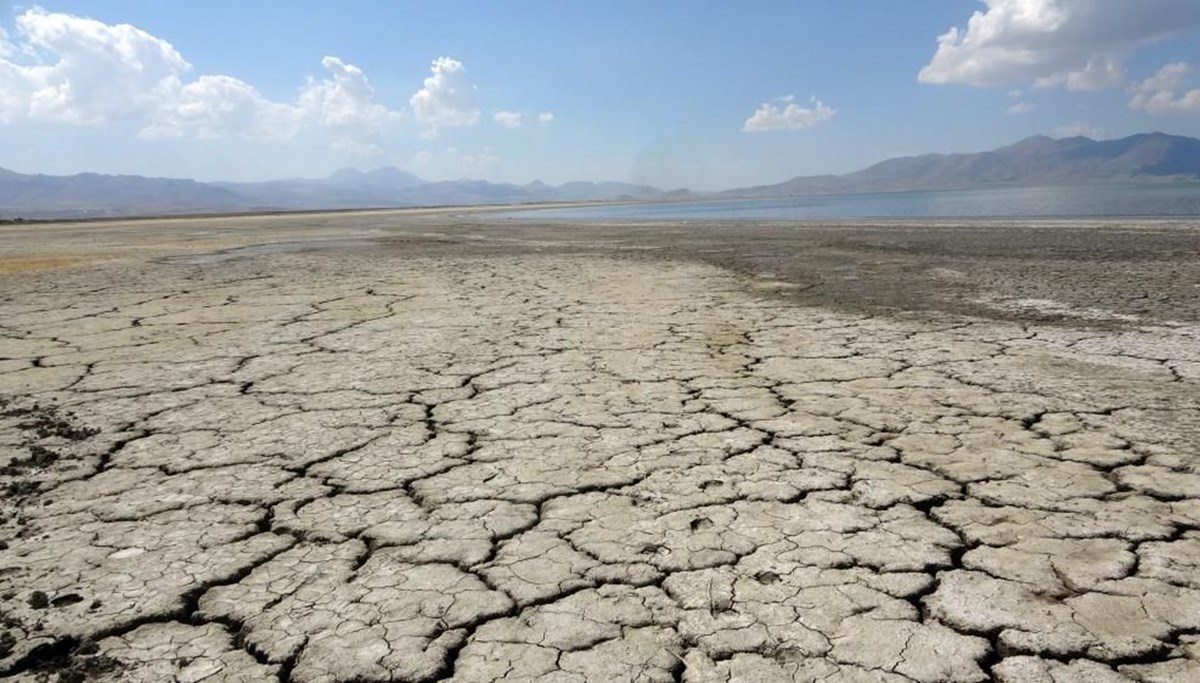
column 359, row 467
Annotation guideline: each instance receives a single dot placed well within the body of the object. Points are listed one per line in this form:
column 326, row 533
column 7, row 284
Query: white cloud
column 1078, row 44
column 769, row 117
column 84, row 72
column 447, row 98
column 344, row 100
column 73, row 70
column 345, row 104
column 1077, row 129
column 1022, row 108
column 1166, row 92
column 221, row 106
column 454, row 163
column 516, row 119
column 508, row 119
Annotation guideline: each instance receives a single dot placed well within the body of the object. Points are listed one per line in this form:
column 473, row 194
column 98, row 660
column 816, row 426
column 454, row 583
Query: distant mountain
column 469, row 192
column 91, row 194
column 94, row 195
column 583, row 191
column 390, row 186
column 347, row 188
column 388, row 177
column 1034, row 161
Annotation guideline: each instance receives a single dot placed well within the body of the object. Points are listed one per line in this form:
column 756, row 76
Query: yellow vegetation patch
column 18, row 265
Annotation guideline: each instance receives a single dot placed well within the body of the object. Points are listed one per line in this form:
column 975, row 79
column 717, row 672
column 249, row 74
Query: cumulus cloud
column 455, row 163
column 516, row 119
column 1022, row 108
column 1077, row 129
column 771, row 117
column 220, row 106
column 6, row 48
column 69, row 69
column 508, row 119
column 346, row 99
column 447, row 97
column 1078, row 44
column 73, row 70
column 345, row 104
column 1166, row 91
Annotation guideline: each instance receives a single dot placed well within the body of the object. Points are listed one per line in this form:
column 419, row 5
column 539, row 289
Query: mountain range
column 1038, row 160
column 1034, row 161
column 90, row 195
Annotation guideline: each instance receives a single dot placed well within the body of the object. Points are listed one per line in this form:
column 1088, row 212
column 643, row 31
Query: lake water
column 1113, row 200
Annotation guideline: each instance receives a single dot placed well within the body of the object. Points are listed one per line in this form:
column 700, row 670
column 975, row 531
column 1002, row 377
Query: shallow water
column 1111, row 200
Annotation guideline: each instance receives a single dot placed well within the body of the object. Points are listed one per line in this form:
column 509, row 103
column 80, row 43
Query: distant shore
column 402, row 210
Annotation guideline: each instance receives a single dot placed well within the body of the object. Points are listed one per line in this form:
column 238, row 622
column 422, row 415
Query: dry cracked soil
column 420, row 446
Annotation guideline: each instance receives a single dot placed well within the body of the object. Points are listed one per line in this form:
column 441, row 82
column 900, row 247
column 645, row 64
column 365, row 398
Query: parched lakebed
column 437, row 447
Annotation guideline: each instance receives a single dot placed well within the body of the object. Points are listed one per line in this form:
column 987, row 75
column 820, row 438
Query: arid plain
column 445, row 445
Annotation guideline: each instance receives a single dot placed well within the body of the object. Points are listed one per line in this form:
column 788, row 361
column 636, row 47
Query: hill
column 94, row 195
column 1037, row 160
column 1034, row 161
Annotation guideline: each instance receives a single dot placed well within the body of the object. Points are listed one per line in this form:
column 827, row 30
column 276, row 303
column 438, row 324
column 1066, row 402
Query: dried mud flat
column 417, row 447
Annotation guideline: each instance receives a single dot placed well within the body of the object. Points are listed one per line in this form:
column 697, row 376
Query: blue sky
column 699, row 94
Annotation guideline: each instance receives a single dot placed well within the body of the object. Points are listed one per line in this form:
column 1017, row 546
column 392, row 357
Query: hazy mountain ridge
column 1034, row 161
column 43, row 195
column 1037, row 160
column 91, row 194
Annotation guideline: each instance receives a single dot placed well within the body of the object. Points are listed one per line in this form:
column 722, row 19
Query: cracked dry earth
column 379, row 466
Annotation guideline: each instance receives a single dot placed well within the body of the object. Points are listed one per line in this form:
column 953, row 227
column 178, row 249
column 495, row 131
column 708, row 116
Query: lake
column 1109, row 200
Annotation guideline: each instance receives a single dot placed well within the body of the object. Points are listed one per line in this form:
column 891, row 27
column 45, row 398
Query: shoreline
column 518, row 209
